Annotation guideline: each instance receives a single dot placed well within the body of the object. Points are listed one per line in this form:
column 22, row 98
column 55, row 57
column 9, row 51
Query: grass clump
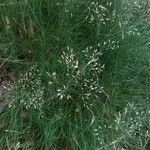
column 80, row 81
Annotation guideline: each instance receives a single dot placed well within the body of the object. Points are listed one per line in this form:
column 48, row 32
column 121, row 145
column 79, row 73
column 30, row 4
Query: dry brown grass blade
column 7, row 22
column 30, row 29
column 11, row 76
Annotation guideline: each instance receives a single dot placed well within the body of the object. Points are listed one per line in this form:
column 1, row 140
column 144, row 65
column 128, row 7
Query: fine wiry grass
column 82, row 74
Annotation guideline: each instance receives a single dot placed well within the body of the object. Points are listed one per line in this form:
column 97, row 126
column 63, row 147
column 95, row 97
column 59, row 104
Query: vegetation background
column 75, row 74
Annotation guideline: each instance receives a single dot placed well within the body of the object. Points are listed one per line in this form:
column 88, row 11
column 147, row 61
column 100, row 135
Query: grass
column 82, row 75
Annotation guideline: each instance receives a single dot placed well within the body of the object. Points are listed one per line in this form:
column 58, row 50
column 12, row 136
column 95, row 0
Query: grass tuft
column 78, row 72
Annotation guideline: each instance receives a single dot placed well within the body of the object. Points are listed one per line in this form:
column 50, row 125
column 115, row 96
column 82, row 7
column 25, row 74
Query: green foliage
column 83, row 74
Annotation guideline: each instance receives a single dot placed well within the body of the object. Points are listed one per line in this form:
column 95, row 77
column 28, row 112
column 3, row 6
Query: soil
column 7, row 80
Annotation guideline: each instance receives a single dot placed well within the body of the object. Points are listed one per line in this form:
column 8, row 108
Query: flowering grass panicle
column 82, row 72
column 28, row 90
